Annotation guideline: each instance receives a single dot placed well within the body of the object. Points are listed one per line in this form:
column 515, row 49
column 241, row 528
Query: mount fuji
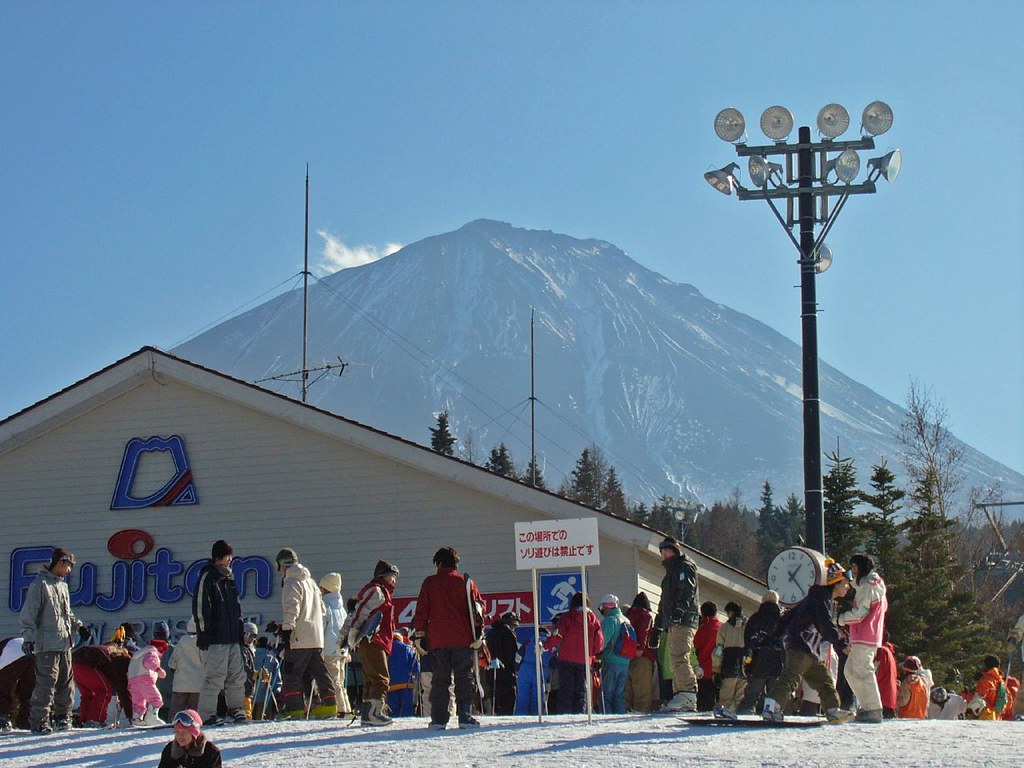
column 684, row 395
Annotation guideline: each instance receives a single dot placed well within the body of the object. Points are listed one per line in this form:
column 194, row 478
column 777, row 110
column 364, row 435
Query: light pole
column 686, row 516
column 809, row 184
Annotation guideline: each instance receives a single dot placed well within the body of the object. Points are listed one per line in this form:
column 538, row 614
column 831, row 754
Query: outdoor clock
column 794, row 571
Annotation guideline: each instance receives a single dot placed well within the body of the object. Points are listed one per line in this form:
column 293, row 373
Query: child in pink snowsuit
column 143, row 672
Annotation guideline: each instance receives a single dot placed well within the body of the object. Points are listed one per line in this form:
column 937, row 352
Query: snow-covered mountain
column 684, row 395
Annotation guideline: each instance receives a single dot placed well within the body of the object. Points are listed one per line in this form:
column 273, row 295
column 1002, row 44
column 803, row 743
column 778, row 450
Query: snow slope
column 611, row 741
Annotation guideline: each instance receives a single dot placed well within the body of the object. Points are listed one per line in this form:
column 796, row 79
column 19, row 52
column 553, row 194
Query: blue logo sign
column 554, row 591
column 179, row 489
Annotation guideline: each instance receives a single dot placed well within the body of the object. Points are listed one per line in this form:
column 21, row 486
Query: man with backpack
column 619, row 649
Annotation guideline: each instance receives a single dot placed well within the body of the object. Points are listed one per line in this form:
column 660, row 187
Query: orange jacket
column 913, row 697
column 1012, row 689
column 988, row 689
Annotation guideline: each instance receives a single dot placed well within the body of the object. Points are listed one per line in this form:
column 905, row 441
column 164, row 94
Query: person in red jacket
column 641, row 669
column 704, row 643
column 572, row 670
column 371, row 634
column 101, row 671
column 888, row 676
column 443, row 625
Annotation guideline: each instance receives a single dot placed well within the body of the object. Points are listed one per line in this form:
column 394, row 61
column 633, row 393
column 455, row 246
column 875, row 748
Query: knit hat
column 383, row 568
column 670, row 543
column 161, row 631
column 250, row 629
column 189, row 720
column 286, row 556
column 608, row 601
column 834, row 572
column 220, row 549
column 771, row 596
column 511, row 618
column 912, row 664
column 331, row 582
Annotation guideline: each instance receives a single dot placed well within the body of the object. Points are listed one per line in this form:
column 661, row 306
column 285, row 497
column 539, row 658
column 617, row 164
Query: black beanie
column 384, row 568
column 220, row 549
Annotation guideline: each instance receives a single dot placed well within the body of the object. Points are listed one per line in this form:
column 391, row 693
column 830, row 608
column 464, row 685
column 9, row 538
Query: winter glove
column 977, row 704
column 286, row 638
column 699, row 672
column 84, row 633
column 419, row 642
column 350, row 641
column 203, row 640
column 654, row 639
column 477, row 644
column 28, row 647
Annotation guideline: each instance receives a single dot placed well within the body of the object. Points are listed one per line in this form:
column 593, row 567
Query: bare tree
column 931, row 455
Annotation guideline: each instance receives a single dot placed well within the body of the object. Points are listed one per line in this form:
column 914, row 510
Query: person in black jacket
column 189, row 748
column 810, row 628
column 218, row 616
column 503, row 644
column 764, row 651
column 679, row 615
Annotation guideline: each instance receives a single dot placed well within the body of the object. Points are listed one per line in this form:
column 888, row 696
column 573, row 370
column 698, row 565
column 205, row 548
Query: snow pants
column 455, row 662
column 680, row 644
column 223, row 670
column 613, row 687
column 814, row 673
column 54, row 691
column 144, row 693
column 96, row 692
column 300, row 668
column 526, row 692
column 638, row 684
column 731, row 693
column 337, row 669
column 860, row 674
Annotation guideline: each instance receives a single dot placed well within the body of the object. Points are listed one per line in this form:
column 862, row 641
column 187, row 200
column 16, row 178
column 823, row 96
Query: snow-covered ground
column 610, row 742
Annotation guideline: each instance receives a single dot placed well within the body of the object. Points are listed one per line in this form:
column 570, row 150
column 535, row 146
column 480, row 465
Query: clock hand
column 793, row 573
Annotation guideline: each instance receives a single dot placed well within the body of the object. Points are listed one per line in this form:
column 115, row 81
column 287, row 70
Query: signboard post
column 570, row 543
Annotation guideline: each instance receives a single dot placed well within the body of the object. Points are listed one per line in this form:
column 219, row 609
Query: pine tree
column 500, row 462
column 441, row 439
column 794, row 519
column 774, row 532
column 613, row 498
column 585, row 485
column 842, row 528
column 881, row 525
column 533, row 476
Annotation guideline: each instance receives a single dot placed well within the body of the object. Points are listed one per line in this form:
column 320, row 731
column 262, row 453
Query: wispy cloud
column 336, row 256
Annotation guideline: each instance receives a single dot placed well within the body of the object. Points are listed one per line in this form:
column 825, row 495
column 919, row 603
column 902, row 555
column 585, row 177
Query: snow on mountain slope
column 685, row 395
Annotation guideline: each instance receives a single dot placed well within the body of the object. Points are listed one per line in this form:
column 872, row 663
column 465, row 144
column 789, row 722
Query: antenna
column 305, row 293
column 533, row 404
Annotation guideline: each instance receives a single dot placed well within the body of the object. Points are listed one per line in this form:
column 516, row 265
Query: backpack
column 626, row 646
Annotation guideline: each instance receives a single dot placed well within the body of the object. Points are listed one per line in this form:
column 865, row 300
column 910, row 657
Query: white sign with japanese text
column 557, row 544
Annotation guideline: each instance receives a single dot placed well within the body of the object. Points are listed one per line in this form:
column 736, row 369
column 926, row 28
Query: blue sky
column 152, row 159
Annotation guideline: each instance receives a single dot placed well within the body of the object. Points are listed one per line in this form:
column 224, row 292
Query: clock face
column 792, row 573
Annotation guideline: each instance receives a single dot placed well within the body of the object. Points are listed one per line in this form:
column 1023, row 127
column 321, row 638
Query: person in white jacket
column 187, row 663
column 865, row 622
column 335, row 657
column 302, row 637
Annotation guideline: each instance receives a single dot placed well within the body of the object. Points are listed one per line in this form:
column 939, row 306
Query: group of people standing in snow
column 702, row 663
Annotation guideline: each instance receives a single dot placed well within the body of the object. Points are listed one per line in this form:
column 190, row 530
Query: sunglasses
column 69, row 559
column 185, row 719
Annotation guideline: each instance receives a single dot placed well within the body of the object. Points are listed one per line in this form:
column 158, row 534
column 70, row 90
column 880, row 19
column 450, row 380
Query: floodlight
column 877, row 118
column 824, row 259
column 730, row 125
column 887, row 166
column 723, row 180
column 833, row 120
column 846, row 166
column 761, row 171
column 776, row 123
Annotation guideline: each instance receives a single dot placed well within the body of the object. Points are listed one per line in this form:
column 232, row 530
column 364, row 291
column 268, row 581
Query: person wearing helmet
column 946, row 705
column 614, row 666
column 810, row 630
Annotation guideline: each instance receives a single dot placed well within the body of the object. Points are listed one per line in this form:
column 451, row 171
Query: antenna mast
column 533, row 403
column 305, row 293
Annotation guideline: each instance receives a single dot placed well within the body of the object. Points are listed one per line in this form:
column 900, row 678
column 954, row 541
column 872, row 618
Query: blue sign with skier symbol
column 555, row 590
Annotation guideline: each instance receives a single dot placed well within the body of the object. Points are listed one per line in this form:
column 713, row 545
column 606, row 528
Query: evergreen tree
column 842, row 528
column 441, row 439
column 728, row 531
column 881, row 525
column 794, row 519
column 613, row 498
column 533, row 476
column 587, row 478
column 639, row 513
column 500, row 462
column 662, row 518
column 774, row 533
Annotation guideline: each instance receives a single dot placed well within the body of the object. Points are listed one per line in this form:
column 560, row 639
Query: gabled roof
column 152, row 363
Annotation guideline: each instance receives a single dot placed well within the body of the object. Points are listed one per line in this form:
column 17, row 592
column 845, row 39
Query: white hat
column 609, row 601
column 331, row 582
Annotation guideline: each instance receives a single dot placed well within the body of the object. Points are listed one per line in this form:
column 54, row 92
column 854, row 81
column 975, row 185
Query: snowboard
column 753, row 721
column 476, row 628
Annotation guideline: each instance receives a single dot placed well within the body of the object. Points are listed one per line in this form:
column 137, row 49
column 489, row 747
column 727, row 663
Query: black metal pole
column 813, row 495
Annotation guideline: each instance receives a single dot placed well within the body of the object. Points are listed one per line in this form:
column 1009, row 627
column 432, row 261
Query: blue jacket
column 216, row 608
column 612, row 628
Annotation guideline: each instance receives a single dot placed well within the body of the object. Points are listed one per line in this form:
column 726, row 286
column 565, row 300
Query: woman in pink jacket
column 143, row 672
column 865, row 622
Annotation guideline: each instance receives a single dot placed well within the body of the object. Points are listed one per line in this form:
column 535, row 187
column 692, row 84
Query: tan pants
column 375, row 670
column 336, row 668
column 731, row 693
column 680, row 644
column 860, row 674
column 801, row 665
column 638, row 684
